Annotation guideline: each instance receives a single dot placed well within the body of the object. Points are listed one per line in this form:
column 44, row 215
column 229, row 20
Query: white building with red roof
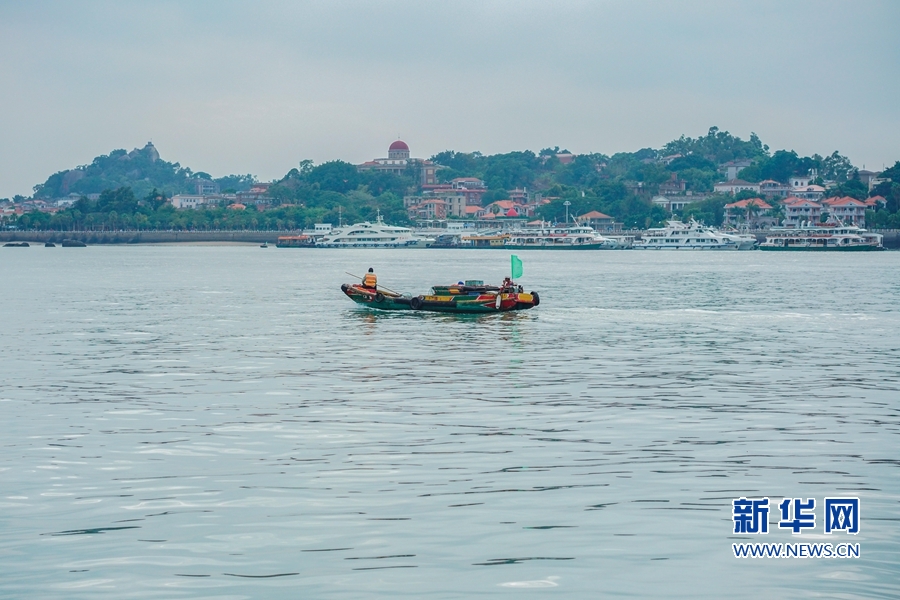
column 848, row 210
column 809, row 192
column 398, row 161
column 599, row 221
column 429, row 208
column 875, row 202
column 753, row 212
column 797, row 210
column 508, row 208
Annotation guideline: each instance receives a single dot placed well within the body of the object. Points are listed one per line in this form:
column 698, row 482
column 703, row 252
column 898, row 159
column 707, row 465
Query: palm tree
column 750, row 211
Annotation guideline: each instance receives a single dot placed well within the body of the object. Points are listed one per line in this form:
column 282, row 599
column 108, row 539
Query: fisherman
column 370, row 282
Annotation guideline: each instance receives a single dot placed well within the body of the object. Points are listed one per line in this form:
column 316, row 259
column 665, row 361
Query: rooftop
column 758, row 202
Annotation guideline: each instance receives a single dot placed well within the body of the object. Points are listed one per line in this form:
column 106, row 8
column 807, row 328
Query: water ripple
column 220, row 422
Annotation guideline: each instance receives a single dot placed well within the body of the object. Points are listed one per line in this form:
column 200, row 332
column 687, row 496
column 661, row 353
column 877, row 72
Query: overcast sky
column 255, row 87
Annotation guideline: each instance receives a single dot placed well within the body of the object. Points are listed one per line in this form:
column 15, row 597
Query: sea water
column 221, row 422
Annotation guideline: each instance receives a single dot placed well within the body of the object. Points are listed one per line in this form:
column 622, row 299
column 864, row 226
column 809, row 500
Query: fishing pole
column 380, row 286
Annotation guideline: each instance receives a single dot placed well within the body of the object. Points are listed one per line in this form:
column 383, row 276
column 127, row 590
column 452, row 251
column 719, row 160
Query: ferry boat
column 832, row 236
column 692, row 236
column 295, row 241
column 373, row 235
column 485, row 240
column 576, row 237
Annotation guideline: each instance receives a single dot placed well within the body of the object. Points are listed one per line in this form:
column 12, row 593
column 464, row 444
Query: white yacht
column 623, row 242
column 745, row 241
column 692, row 236
column 373, row 235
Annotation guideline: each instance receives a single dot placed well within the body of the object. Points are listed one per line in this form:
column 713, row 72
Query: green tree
column 717, row 146
column 710, row 211
column 852, row 187
column 837, row 168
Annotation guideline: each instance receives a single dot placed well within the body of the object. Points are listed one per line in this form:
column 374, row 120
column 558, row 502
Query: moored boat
column 373, row 235
column 572, row 237
column 832, row 236
column 550, row 237
column 692, row 236
column 295, row 241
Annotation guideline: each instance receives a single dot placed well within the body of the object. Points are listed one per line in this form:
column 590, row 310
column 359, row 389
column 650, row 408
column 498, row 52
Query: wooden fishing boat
column 471, row 297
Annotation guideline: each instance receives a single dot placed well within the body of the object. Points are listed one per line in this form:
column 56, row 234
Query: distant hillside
column 141, row 169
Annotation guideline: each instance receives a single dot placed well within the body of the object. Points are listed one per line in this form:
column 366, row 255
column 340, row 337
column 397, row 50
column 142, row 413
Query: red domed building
column 398, row 150
column 398, row 161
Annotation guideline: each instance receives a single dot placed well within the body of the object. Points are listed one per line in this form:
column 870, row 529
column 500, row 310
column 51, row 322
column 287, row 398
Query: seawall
column 891, row 237
column 143, row 237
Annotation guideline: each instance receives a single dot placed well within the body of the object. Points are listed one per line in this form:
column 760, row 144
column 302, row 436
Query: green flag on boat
column 516, row 265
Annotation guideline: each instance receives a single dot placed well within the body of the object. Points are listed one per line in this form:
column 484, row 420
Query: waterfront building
column 599, row 221
column 848, row 210
column 797, row 210
column 755, row 213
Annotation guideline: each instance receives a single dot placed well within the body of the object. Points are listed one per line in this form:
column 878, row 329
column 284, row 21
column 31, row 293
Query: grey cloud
column 257, row 86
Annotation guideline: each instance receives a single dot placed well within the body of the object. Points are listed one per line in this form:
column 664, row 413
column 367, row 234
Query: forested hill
column 621, row 185
column 141, row 169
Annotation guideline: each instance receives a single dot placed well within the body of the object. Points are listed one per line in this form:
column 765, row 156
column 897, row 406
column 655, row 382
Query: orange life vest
column 370, row 280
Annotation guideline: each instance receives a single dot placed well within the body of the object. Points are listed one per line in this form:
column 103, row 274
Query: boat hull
column 859, row 248
column 686, row 247
column 558, row 247
column 467, row 304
